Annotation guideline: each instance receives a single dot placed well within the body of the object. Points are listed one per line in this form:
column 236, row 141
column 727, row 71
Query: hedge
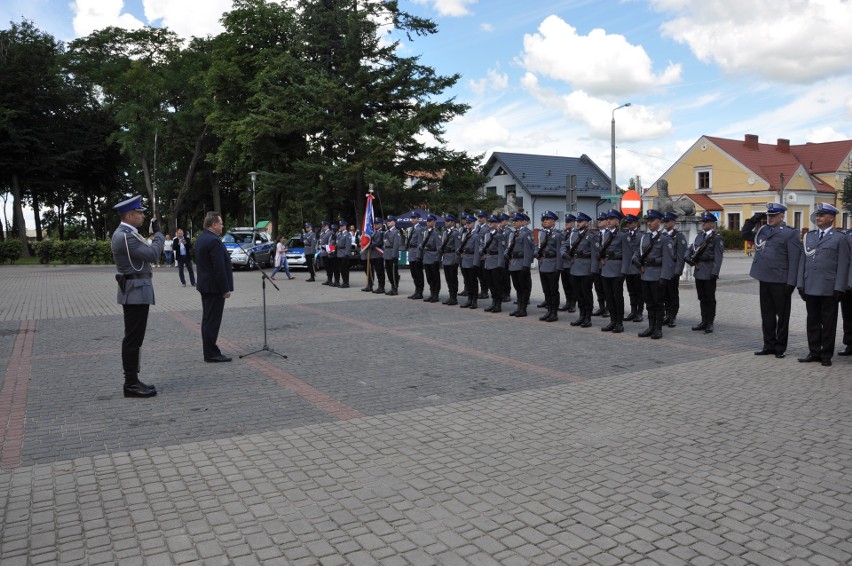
column 733, row 239
column 73, row 251
column 10, row 250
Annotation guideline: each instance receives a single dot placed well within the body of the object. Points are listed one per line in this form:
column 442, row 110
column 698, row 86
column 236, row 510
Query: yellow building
column 735, row 178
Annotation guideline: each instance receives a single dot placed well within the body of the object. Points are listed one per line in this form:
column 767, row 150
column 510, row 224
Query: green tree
column 846, row 194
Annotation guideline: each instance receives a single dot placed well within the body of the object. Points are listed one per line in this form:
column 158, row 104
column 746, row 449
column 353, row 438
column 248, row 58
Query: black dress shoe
column 608, row 327
column 462, row 293
column 367, row 289
column 708, row 329
column 618, row 329
column 809, row 358
column 563, row 308
column 672, row 322
column 598, row 312
column 217, row 359
column 781, row 356
column 638, row 317
column 846, row 352
column 700, row 326
column 647, row 332
column 826, row 363
column 326, row 282
column 605, row 313
column 345, row 286
column 139, row 390
column 764, row 353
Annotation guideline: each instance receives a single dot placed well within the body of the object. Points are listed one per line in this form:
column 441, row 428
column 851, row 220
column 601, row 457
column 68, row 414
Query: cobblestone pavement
column 400, row 432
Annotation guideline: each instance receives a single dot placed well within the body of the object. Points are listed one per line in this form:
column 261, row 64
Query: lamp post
column 612, row 177
column 253, row 175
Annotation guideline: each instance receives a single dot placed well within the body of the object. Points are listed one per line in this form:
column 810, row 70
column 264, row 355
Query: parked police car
column 249, row 248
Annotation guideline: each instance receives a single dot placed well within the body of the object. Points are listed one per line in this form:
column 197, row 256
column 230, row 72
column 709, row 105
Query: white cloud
column 634, row 123
column 91, row 15
column 188, row 18
column 825, row 134
column 599, row 63
column 793, row 41
column 495, row 81
column 453, row 8
column 485, row 26
column 479, row 134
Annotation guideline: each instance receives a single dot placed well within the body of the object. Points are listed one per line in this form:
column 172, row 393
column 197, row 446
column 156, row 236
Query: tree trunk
column 275, row 209
column 60, row 220
column 215, row 189
column 190, row 172
column 18, row 216
column 146, row 173
column 37, row 216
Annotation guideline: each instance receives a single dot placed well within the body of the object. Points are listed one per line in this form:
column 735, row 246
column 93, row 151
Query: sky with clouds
column 543, row 76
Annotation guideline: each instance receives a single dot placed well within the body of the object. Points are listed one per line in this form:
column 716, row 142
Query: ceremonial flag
column 367, row 228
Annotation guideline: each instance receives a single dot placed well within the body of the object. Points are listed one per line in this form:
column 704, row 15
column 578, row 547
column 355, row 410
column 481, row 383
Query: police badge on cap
column 133, row 203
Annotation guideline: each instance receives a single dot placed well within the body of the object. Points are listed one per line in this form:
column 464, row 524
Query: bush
column 733, row 239
column 73, row 251
column 10, row 250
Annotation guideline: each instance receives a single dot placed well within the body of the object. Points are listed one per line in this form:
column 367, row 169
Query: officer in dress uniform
column 519, row 257
column 615, row 256
column 450, row 258
column 493, row 248
column 344, row 248
column 671, row 298
column 603, row 307
column 550, row 240
column 481, row 229
column 415, row 256
column 846, row 306
column 327, row 258
column 705, row 255
column 633, row 277
column 564, row 267
column 581, row 250
column 776, row 266
column 431, row 260
column 469, row 249
column 309, row 241
column 506, row 229
column 822, row 280
column 375, row 250
column 133, row 256
column 655, row 259
column 392, row 246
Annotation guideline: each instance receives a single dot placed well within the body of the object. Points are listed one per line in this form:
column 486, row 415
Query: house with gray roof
column 538, row 182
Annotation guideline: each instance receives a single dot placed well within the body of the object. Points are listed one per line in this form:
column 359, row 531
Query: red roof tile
column 705, row 202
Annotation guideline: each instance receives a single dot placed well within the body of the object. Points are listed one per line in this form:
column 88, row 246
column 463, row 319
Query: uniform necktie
column 821, row 234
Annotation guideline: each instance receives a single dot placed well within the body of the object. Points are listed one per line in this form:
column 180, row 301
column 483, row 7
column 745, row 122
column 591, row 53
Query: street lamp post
column 253, row 175
column 612, row 177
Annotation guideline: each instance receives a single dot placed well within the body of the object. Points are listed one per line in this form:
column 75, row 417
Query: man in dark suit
column 182, row 248
column 215, row 283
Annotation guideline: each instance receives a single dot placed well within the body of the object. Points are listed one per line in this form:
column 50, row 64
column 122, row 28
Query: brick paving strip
column 315, row 397
column 13, row 396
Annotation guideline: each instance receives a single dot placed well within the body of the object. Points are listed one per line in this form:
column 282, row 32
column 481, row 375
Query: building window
column 509, row 189
column 734, row 221
column 703, row 180
column 500, row 171
column 797, row 220
column 490, row 190
column 519, row 202
column 845, row 224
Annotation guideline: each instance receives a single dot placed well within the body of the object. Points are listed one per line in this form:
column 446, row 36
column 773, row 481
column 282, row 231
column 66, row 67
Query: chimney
column 783, row 145
column 750, row 141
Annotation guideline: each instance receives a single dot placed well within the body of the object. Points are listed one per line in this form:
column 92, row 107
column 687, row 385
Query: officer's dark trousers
column 493, row 283
column 652, row 294
column 135, row 323
column 212, row 306
column 822, row 325
column 343, row 269
column 775, row 316
column 185, row 261
column 416, row 268
column 377, row 270
column 480, row 277
column 565, row 276
column 599, row 290
column 672, row 297
column 328, row 262
column 332, row 263
column 392, row 272
column 451, row 276
column 522, row 280
column 582, row 286
column 507, row 284
column 634, row 291
column 433, row 276
column 706, row 289
column 614, row 292
column 471, row 281
column 550, row 286
column 310, row 259
column 846, row 310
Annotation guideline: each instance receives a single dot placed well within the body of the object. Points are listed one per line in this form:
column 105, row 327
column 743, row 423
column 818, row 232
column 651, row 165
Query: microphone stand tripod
column 265, row 347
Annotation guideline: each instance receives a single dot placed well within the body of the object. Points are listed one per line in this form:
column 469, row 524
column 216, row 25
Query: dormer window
column 500, row 171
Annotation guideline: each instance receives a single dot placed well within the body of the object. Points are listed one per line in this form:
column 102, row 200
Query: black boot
column 599, row 311
column 700, row 326
column 473, row 304
column 553, row 316
column 546, row 315
column 393, row 291
column 452, row 300
column 658, row 328
column 463, row 293
column 638, row 317
column 587, row 322
column 522, row 310
column 380, row 290
column 581, row 319
column 631, row 314
column 367, row 289
column 418, row 293
column 542, row 305
column 618, row 329
column 435, row 297
column 708, row 328
column 650, row 330
column 608, row 327
column 498, row 305
column 490, row 308
column 564, row 308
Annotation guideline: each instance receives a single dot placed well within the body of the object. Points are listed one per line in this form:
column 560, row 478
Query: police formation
column 495, row 253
